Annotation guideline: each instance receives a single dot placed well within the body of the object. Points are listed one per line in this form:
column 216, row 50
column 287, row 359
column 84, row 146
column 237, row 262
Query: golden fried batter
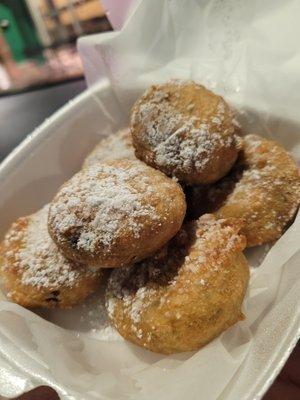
column 35, row 273
column 114, row 147
column 185, row 295
column 186, row 131
column 115, row 213
column 263, row 189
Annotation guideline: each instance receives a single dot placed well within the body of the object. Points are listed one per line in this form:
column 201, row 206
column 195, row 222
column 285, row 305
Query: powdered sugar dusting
column 115, row 147
column 106, row 333
column 270, row 178
column 190, row 260
column 180, row 142
column 39, row 260
column 99, row 200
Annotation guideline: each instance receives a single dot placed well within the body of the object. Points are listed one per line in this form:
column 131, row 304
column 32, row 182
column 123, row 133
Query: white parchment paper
column 247, row 51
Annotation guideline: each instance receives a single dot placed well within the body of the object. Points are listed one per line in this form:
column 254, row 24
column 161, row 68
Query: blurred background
column 38, row 41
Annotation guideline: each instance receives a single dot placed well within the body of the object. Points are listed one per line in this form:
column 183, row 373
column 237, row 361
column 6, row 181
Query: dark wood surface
column 19, row 115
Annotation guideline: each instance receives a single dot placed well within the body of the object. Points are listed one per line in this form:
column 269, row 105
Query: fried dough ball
column 114, row 147
column 263, row 189
column 185, row 295
column 115, row 213
column 35, row 273
column 186, row 131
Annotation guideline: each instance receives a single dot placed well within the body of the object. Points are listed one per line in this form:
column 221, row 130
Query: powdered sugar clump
column 106, row 333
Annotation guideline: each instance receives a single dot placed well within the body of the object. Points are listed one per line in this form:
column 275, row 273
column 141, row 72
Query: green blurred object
column 20, row 33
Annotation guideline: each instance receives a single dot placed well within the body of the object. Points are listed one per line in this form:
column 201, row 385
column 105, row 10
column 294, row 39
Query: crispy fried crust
column 114, row 147
column 263, row 189
column 115, row 213
column 186, row 131
column 35, row 274
column 187, row 294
